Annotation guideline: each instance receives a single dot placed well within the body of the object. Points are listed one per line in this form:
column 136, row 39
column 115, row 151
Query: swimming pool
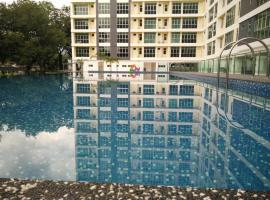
column 173, row 132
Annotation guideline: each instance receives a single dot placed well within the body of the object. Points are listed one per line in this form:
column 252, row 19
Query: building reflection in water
column 156, row 131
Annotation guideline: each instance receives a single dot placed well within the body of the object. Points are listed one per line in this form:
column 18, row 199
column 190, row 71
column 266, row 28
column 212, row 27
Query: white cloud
column 57, row 3
column 47, row 156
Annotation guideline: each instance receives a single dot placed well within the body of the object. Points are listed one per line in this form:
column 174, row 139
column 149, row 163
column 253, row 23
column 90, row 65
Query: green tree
column 107, row 59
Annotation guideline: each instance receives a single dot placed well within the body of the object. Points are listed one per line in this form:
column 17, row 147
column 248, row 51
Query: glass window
column 148, row 116
column 105, row 115
column 123, row 88
column 150, row 23
column 82, row 52
column 81, row 9
column 83, row 101
column 122, row 52
column 105, row 102
column 187, row 90
column 105, row 50
column 150, row 8
column 149, row 37
column 230, row 15
column 186, row 117
column 189, row 37
column 186, row 103
column 104, row 37
column 212, row 31
column 188, row 52
column 84, row 127
column 176, row 8
column 190, row 8
column 176, row 23
column 122, row 37
column 122, row 102
column 148, row 128
column 173, row 90
column 175, row 51
column 81, row 38
column 262, row 25
column 104, row 8
column 122, row 22
column 172, row 116
column 123, row 115
column 229, row 37
column 173, row 103
column 149, row 52
column 104, row 23
column 105, row 127
column 83, row 88
column 81, row 24
column 148, row 89
column 172, row 129
column 175, row 37
column 190, row 23
column 185, row 143
column 148, row 103
column 83, row 114
column 122, row 8
column 185, row 129
column 211, row 48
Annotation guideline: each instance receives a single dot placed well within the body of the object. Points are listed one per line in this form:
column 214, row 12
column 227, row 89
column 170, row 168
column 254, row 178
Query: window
column 104, row 8
column 148, row 89
column 188, row 52
column 173, row 103
column 148, row 128
column 189, row 37
column 229, row 37
column 164, row 51
column 190, row 8
column 149, row 52
column 122, row 52
column 175, row 52
column 175, row 37
column 149, row 37
column 83, row 101
column 260, row 2
column 230, row 17
column 122, row 37
column 83, row 127
column 185, row 129
column 83, row 114
column 148, row 103
column 190, row 23
column 212, row 31
column 122, row 22
column 185, row 143
column 186, row 117
column 187, row 90
column 82, row 52
column 104, row 37
column 150, row 8
column 123, row 89
column 176, row 23
column 122, row 8
column 104, row 115
column 213, row 13
column 81, row 24
column 172, row 116
column 172, row 129
column 105, row 50
column 104, row 23
column 150, row 23
column 105, row 102
column 122, row 102
column 148, row 116
column 123, row 115
column 211, row 48
column 83, row 88
column 176, row 8
column 262, row 25
column 81, row 9
column 173, row 90
column 186, row 103
column 81, row 38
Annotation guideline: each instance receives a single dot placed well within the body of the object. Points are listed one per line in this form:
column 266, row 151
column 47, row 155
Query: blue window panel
column 148, row 128
column 185, row 129
column 122, row 128
column 159, row 142
column 171, row 155
column 123, row 115
column 83, row 88
column 82, row 164
column 82, row 152
column 171, row 142
column 122, row 102
column 122, row 141
column 83, row 101
column 148, row 103
column 173, row 90
column 149, row 89
column 148, row 142
column 184, row 156
column 82, row 140
column 84, row 127
column 148, row 116
column 83, row 114
column 105, row 127
column 172, row 129
column 105, row 115
column 186, row 117
column 222, row 101
column 184, row 167
column 122, row 154
column 104, row 141
column 105, row 102
column 123, row 88
column 223, row 125
column 173, row 103
column 187, row 90
column 221, row 144
column 185, row 143
column 172, row 116
column 207, row 110
column 104, row 153
column 186, row 103
column 208, row 94
column 104, row 88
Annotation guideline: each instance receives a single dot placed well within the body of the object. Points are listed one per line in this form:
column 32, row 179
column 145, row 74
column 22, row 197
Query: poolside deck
column 15, row 189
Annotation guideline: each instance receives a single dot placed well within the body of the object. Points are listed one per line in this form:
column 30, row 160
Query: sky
column 57, row 3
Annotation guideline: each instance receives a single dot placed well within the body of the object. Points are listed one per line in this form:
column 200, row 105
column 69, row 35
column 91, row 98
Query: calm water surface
column 140, row 132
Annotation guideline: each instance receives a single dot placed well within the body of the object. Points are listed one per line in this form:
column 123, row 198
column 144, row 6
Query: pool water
column 185, row 133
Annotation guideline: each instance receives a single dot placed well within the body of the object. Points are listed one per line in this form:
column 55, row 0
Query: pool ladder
column 232, row 45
